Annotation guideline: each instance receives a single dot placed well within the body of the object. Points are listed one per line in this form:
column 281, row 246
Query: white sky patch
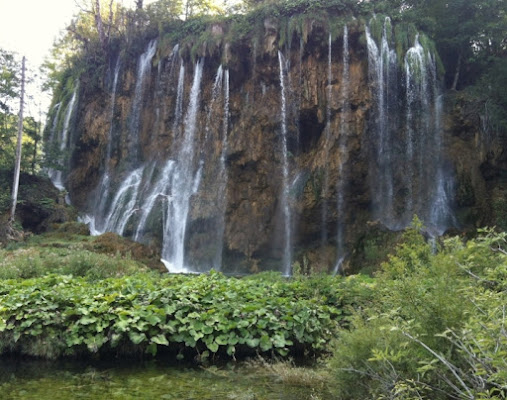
column 29, row 28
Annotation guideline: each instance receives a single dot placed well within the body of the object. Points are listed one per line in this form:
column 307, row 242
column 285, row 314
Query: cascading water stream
column 143, row 68
column 57, row 176
column 340, row 240
column 215, row 94
column 327, row 144
column 111, row 118
column 52, row 133
column 413, row 146
column 222, row 178
column 418, row 125
column 441, row 215
column 124, row 203
column 178, row 110
column 53, row 138
column 174, row 56
column 184, row 183
column 382, row 65
column 104, row 187
column 113, row 215
column 424, row 114
column 159, row 192
column 284, row 198
column 164, row 81
column 157, row 93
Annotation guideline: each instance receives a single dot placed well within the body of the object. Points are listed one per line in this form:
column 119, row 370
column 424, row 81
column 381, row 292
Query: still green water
column 133, row 380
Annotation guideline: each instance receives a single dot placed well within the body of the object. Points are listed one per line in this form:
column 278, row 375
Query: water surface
column 150, row 380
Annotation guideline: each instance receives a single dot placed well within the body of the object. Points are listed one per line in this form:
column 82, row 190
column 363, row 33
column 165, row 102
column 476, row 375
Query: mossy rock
column 112, row 244
column 40, row 204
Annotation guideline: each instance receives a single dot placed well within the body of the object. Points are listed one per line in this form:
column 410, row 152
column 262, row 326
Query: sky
column 29, row 28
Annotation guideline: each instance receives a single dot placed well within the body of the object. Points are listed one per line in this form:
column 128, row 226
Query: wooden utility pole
column 15, row 185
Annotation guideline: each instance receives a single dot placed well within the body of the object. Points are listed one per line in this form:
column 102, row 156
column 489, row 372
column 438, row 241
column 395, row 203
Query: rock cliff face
column 252, row 155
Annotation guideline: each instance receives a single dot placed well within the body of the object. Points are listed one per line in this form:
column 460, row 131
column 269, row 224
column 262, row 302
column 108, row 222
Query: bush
column 435, row 328
column 32, row 262
column 205, row 314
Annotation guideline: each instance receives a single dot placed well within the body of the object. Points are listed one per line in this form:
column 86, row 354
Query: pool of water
column 150, row 380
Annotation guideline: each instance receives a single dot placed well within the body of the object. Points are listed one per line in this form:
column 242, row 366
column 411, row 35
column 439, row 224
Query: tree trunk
column 110, row 22
column 17, row 167
column 99, row 24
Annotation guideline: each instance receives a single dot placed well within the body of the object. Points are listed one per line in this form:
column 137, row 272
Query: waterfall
column 53, row 139
column 111, row 118
column 423, row 126
column 56, row 176
column 52, row 133
column 418, row 124
column 178, row 110
column 222, row 178
column 174, row 56
column 220, row 88
column 143, row 67
column 124, row 203
column 160, row 192
column 382, row 65
column 284, row 198
column 408, row 175
column 212, row 157
column 340, row 240
column 157, row 93
column 441, row 215
column 163, row 82
column 104, row 186
column 215, row 94
column 113, row 215
column 184, row 183
column 327, row 143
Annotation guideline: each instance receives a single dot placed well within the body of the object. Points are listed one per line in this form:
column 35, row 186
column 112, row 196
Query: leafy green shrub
column 5, row 200
column 144, row 312
column 435, row 326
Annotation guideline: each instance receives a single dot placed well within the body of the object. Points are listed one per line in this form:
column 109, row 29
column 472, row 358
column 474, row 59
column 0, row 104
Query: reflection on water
column 136, row 380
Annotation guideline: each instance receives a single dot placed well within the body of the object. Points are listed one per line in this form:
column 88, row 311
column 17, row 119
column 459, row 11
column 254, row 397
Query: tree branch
column 449, row 366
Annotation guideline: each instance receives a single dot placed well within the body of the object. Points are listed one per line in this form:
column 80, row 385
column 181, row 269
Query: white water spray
column 345, row 88
column 184, row 183
column 56, row 176
column 284, row 198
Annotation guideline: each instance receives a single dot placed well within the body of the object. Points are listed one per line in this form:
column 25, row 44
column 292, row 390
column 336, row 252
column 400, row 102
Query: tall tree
column 17, row 167
column 9, row 81
column 9, row 87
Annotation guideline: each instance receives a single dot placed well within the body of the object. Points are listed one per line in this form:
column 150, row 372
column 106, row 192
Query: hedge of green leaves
column 60, row 315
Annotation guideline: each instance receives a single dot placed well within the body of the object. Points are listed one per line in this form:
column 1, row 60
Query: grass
column 61, row 252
